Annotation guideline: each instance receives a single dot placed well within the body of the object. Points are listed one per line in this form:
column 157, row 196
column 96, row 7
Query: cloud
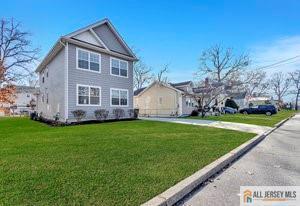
column 273, row 51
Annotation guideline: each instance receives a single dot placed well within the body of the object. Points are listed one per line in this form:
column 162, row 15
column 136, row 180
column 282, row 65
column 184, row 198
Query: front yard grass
column 119, row 163
column 257, row 119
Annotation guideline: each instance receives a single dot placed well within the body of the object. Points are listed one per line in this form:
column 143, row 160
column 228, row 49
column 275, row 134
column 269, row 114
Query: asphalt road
column 273, row 162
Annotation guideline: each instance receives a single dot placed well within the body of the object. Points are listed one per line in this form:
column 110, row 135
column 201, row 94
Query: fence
column 171, row 112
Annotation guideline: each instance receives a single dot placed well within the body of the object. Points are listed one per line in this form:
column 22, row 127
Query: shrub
column 79, row 114
column 56, row 116
column 136, row 113
column 195, row 113
column 231, row 103
column 101, row 114
column 131, row 113
column 118, row 113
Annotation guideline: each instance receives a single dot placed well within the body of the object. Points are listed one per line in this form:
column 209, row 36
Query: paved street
column 273, row 162
column 218, row 124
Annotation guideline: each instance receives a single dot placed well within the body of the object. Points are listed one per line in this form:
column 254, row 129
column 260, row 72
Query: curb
column 187, row 185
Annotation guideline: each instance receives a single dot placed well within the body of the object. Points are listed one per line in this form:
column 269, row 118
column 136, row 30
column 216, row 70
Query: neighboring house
column 216, row 93
column 164, row 100
column 4, row 110
column 260, row 100
column 240, row 99
column 88, row 69
column 26, row 97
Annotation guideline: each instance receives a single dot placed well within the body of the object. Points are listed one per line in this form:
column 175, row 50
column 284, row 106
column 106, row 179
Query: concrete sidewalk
column 218, row 124
column 273, row 162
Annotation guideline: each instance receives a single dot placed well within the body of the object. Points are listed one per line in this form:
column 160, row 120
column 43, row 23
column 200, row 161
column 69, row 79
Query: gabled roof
column 99, row 23
column 237, row 95
column 152, row 84
column 186, row 83
column 136, row 92
column 101, row 47
column 22, row 88
column 202, row 89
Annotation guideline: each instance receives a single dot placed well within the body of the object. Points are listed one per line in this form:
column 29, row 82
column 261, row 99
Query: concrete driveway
column 218, row 124
column 273, row 162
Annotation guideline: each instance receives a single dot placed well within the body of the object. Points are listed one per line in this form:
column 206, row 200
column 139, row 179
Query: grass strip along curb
column 184, row 187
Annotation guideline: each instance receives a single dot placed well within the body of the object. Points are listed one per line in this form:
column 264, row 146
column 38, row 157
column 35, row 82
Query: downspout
column 66, row 45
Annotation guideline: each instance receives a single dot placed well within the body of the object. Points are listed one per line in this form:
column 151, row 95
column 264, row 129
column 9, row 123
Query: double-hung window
column 88, row 60
column 119, row 67
column 88, row 95
column 119, row 97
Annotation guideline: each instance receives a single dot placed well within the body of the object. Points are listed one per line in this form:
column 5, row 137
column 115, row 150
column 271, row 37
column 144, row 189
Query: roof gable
column 179, row 84
column 143, row 90
column 107, row 35
column 88, row 37
column 136, row 92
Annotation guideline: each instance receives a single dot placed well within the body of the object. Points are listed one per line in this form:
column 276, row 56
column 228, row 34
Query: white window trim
column 120, row 60
column 88, row 70
column 119, row 95
column 89, row 86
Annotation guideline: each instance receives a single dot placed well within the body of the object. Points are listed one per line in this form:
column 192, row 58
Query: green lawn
column 120, row 163
column 258, row 119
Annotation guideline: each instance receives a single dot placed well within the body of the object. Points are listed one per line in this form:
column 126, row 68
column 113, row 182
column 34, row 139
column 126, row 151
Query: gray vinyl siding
column 109, row 39
column 103, row 80
column 54, row 86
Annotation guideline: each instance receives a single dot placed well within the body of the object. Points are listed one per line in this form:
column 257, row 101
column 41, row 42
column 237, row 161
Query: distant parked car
column 260, row 109
column 229, row 110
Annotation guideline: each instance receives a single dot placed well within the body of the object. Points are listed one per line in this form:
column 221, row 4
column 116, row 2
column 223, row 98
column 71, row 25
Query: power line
column 279, row 63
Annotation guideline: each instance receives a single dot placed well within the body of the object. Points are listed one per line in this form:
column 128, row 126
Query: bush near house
column 119, row 113
column 231, row 103
column 195, row 113
column 131, row 113
column 79, row 114
column 136, row 113
column 101, row 114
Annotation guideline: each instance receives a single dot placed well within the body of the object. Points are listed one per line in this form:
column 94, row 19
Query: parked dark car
column 229, row 110
column 260, row 109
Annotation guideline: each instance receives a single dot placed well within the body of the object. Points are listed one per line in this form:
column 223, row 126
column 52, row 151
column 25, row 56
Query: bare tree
column 161, row 75
column 221, row 68
column 295, row 78
column 280, row 84
column 221, row 64
column 16, row 55
column 142, row 74
column 255, row 82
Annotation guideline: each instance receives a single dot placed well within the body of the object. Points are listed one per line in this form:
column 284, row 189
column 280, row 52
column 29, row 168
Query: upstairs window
column 88, row 60
column 119, row 67
column 119, row 97
column 88, row 95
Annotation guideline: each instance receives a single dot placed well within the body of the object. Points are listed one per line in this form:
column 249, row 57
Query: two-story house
column 88, row 69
